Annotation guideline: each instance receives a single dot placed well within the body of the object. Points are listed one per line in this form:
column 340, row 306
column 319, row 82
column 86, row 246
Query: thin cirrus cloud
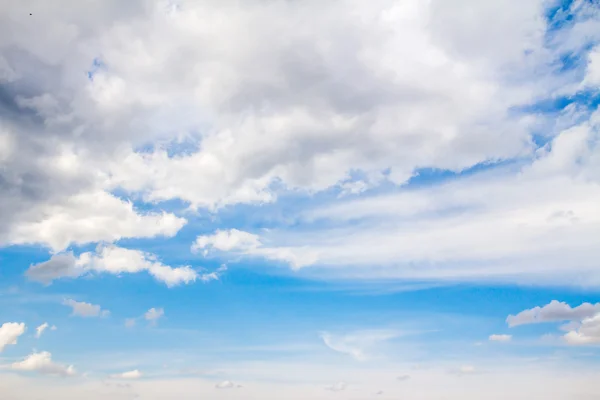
column 358, row 345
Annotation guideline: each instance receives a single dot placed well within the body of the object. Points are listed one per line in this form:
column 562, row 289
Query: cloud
column 135, row 374
column 540, row 217
column 153, row 315
column 82, row 309
column 245, row 243
column 227, row 385
column 337, row 387
column 40, row 329
column 9, row 333
column 42, row 363
column 554, row 311
column 500, row 338
column 587, row 333
column 297, row 97
column 464, row 370
column 75, row 223
column 112, row 260
column 357, row 344
column 403, row 378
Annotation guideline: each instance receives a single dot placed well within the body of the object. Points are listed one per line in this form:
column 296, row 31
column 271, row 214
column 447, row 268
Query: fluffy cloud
column 262, row 98
column 553, row 312
column 135, row 374
column 500, row 338
column 292, row 94
column 109, row 220
column 42, row 363
column 82, row 309
column 9, row 333
column 587, row 333
column 112, row 260
column 153, row 315
column 583, row 327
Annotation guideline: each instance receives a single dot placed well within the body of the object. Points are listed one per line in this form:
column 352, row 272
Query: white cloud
column 358, row 344
column 535, row 223
column 83, row 309
column 587, row 333
column 245, row 243
column 337, row 387
column 592, row 77
column 466, row 369
column 302, row 97
column 43, row 364
column 154, row 314
column 227, row 385
column 403, row 378
column 500, row 338
column 281, row 103
column 9, row 333
column 109, row 220
column 554, row 311
column 134, row 374
column 113, row 260
column 40, row 329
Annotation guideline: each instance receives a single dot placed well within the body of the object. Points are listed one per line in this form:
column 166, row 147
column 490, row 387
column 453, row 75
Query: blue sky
column 297, row 199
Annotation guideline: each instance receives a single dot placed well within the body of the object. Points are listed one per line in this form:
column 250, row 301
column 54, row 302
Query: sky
column 273, row 199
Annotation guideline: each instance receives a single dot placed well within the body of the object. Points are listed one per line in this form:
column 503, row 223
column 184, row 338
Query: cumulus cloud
column 500, row 338
column 554, row 311
column 587, row 333
column 83, row 309
column 9, row 333
column 42, row 363
column 304, row 97
column 112, row 260
column 135, row 374
column 153, row 315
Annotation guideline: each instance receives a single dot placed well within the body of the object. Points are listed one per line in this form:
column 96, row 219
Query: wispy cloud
column 358, row 344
